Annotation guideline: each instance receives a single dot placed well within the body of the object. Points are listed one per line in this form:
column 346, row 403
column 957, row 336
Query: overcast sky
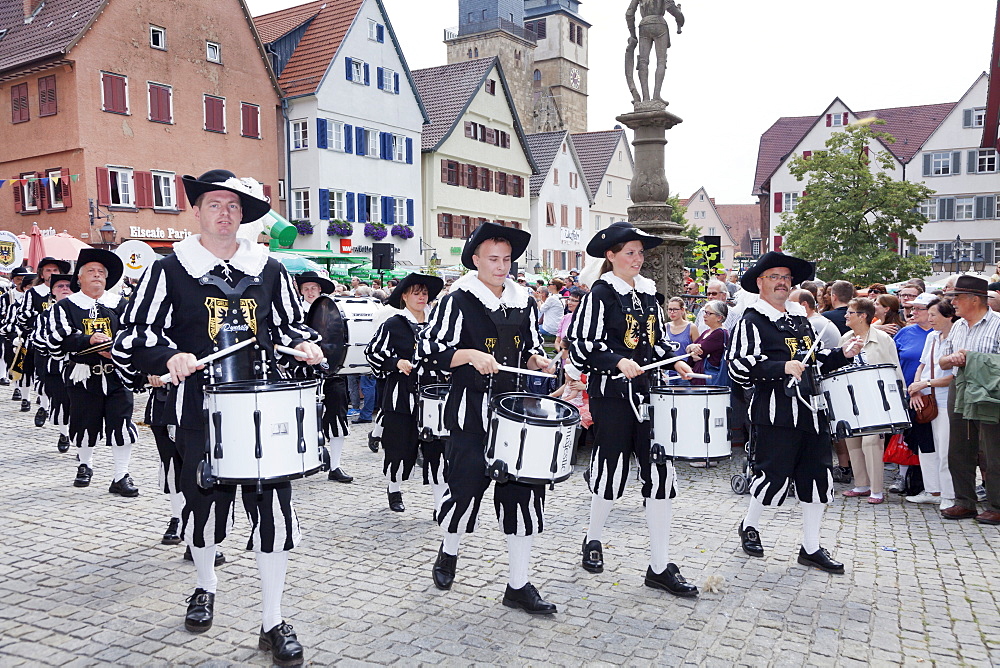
column 740, row 65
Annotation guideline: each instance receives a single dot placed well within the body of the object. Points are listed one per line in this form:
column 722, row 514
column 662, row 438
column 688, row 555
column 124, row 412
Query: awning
column 324, row 256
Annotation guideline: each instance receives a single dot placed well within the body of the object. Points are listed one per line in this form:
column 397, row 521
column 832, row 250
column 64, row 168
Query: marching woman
column 391, row 354
column 100, row 404
column 50, row 369
column 37, row 300
column 617, row 329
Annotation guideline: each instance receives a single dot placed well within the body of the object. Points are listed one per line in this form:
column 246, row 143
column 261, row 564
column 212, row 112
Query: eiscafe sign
column 136, row 232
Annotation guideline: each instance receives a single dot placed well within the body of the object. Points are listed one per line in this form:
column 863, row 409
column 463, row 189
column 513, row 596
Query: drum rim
column 497, row 407
column 279, row 478
column 435, row 385
column 255, row 386
column 854, row 368
column 539, row 481
column 692, row 390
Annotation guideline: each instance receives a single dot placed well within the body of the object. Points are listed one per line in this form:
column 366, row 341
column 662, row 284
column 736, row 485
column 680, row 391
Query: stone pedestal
column 650, row 211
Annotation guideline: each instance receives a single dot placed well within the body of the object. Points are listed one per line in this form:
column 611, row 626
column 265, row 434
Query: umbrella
column 296, row 264
column 61, row 246
column 36, row 249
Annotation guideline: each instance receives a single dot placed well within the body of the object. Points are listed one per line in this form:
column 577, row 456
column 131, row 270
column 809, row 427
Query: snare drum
column 864, row 400
column 530, row 438
column 690, row 423
column 430, row 412
column 264, row 431
column 347, row 326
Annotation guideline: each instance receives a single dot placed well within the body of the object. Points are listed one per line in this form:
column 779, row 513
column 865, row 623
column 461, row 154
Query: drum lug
column 217, row 423
column 203, row 475
column 300, row 419
column 425, row 434
column 324, row 456
column 320, row 436
column 498, row 471
column 658, row 454
column 843, row 430
column 258, row 448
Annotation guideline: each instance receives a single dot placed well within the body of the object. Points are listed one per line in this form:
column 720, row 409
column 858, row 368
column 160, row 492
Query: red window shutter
column 66, row 188
column 41, row 192
column 579, row 218
column 829, row 120
column 778, row 201
column 108, row 84
column 103, row 187
column 180, row 197
column 550, row 214
column 463, row 175
column 777, row 243
column 15, row 186
column 469, row 129
column 441, row 226
column 444, row 171
column 165, row 94
column 487, row 180
column 267, row 192
column 845, row 118
column 114, row 93
column 20, row 111
column 47, row 103
column 143, row 189
column 807, row 154
column 564, row 216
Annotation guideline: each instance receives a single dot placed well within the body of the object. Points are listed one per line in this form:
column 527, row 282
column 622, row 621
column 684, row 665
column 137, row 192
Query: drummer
column 392, row 356
column 617, row 328
column 791, row 438
column 50, row 368
column 174, row 317
column 10, row 299
column 22, row 279
column 36, row 300
column 485, row 320
column 335, row 396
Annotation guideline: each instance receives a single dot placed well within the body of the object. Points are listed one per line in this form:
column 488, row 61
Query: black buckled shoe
column 528, row 599
column 338, row 475
column 4, row 382
column 593, row 556
column 83, row 475
column 396, row 502
column 201, row 610
column 17, row 394
column 750, row 541
column 25, row 405
column 444, row 569
column 670, row 580
column 63, row 444
column 41, row 415
column 820, row 559
column 172, row 535
column 283, row 644
column 124, row 487
column 373, row 442
column 219, row 557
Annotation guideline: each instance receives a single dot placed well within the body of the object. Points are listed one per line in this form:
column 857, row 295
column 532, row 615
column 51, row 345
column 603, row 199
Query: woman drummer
column 391, row 354
column 617, row 329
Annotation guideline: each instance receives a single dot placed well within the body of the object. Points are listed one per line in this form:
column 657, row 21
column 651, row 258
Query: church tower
column 561, row 62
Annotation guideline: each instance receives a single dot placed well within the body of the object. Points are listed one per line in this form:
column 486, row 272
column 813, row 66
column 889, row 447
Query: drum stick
column 294, row 352
column 526, row 372
column 166, row 378
column 658, row 364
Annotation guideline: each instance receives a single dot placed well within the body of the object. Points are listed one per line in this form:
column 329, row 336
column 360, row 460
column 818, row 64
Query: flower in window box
column 339, row 228
column 376, row 231
column 402, row 231
column 304, row 226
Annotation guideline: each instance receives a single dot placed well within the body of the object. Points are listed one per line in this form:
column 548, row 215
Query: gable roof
column 57, row 28
column 596, row 150
column 448, row 91
column 911, row 126
column 742, row 222
column 544, row 148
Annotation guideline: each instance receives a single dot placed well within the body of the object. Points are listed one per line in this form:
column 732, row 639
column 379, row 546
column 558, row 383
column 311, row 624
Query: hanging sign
column 11, row 253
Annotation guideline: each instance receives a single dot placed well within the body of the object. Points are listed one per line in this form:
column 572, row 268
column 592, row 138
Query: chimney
column 31, row 8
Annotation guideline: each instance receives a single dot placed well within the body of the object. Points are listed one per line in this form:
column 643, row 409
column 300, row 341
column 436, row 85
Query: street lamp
column 538, row 268
column 108, row 234
column 937, row 264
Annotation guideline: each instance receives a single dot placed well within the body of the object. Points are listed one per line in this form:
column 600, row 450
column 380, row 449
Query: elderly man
column 716, row 291
column 976, row 332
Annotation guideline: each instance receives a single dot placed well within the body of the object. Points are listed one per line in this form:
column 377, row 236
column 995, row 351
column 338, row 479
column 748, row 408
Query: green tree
column 689, row 230
column 853, row 211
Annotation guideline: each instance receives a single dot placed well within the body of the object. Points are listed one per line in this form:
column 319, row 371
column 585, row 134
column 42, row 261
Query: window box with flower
column 304, row 226
column 402, row 231
column 376, row 231
column 339, row 228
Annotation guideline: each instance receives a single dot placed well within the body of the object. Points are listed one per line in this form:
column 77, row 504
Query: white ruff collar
column 109, row 299
column 642, row 284
column 42, row 290
column 198, row 260
column 513, row 295
column 773, row 314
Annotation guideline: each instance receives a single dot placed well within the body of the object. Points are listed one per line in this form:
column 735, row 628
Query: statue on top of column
column 653, row 32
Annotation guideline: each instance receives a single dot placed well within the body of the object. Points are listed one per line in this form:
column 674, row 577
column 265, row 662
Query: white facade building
column 608, row 166
column 702, row 213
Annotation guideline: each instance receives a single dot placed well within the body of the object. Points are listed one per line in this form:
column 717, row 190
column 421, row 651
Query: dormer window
column 213, row 52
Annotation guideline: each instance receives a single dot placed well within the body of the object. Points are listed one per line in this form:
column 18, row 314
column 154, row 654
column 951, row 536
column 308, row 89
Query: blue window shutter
column 359, row 141
column 387, row 211
column 350, row 207
column 380, row 33
column 380, row 78
column 321, row 133
column 409, row 151
column 362, row 208
column 368, row 79
column 409, row 212
column 395, row 83
column 348, row 139
column 350, row 68
column 324, row 204
column 387, row 143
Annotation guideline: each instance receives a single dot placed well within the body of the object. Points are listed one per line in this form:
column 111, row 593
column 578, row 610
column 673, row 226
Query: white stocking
column 86, row 455
column 451, row 541
column 658, row 515
column 121, row 454
column 204, row 563
column 753, row 513
column 519, row 556
column 272, row 567
column 336, row 447
column 600, row 508
column 812, row 519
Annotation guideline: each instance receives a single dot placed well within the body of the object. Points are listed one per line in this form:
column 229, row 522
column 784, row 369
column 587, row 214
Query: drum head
column 435, row 391
column 689, row 390
column 251, row 386
column 536, row 409
column 325, row 317
column 854, row 368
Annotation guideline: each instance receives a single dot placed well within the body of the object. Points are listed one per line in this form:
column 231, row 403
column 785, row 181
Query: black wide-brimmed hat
column 21, row 271
column 62, row 264
column 111, row 262
column 326, row 286
column 223, row 179
column 969, row 285
column 55, row 278
column 802, row 270
column 621, row 232
column 518, row 240
column 433, row 283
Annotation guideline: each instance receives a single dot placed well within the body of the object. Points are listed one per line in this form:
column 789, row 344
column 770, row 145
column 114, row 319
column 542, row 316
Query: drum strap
column 228, row 337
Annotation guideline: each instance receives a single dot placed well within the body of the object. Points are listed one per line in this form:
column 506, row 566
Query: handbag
column 927, row 408
column 898, row 452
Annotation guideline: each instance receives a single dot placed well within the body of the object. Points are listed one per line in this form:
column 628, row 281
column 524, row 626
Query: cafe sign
column 136, row 232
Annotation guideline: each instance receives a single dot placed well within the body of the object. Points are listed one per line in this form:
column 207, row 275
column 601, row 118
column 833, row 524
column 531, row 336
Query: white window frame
column 755, row 246
column 597, row 222
column 204, row 112
column 965, row 208
column 399, row 214
column 399, row 148
column 243, row 130
column 791, row 200
column 929, row 208
column 338, row 205
column 55, row 203
column 374, row 207
column 149, row 109
column 153, row 30
column 711, row 231
column 124, row 178
column 979, row 117
column 335, row 135
column 300, row 134
column 941, row 164
column 997, row 214
column 986, row 161
column 28, row 193
column 301, row 209
column 388, row 80
column 372, row 30
column 358, row 71
column 104, row 106
column 164, row 184
column 209, row 47
column 372, row 143
column 610, row 190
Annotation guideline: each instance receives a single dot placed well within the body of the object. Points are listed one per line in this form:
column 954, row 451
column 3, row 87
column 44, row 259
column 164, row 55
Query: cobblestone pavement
column 84, row 579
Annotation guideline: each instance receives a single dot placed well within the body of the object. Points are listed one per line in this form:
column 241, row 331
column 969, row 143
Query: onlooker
column 707, row 350
column 825, row 330
column 550, row 312
column 938, row 487
column 575, row 295
column 840, row 293
column 906, row 295
column 994, row 300
column 716, row 290
column 910, row 346
column 876, row 289
column 887, row 316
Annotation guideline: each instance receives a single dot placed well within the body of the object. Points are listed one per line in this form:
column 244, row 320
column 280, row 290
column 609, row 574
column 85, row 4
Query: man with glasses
column 906, row 295
column 716, row 291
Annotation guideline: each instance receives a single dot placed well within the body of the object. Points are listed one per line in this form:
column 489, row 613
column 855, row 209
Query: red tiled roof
column 911, row 126
column 595, row 150
column 742, row 221
column 319, row 44
column 544, row 147
column 56, row 28
column 446, row 92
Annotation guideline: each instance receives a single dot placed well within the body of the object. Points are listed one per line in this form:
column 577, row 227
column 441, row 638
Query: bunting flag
column 55, row 181
column 74, row 177
column 2, row 182
column 45, row 181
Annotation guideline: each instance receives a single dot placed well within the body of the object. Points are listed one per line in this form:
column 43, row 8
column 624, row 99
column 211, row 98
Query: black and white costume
column 36, row 301
column 10, row 303
column 50, row 375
